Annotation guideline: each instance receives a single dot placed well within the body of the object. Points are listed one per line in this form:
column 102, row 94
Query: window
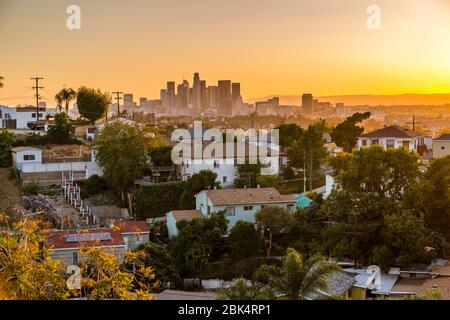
column 376, row 141
column 248, row 208
column 216, row 164
column 75, row 257
column 224, row 179
column 29, row 157
column 364, row 142
column 230, row 211
column 208, row 210
column 33, row 115
column 389, row 144
column 290, row 207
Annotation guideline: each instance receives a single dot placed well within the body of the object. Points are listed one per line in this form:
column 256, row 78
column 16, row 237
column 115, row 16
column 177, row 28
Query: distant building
column 178, row 215
column 235, row 91
column 128, row 101
column 307, row 104
column 225, row 103
column 441, row 146
column 170, row 95
column 396, row 137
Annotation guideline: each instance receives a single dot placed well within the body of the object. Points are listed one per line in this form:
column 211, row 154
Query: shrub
column 94, row 185
column 288, row 173
column 7, row 141
column 31, row 188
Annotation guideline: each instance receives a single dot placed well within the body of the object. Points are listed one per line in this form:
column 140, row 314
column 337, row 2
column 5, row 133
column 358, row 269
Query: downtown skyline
column 137, row 48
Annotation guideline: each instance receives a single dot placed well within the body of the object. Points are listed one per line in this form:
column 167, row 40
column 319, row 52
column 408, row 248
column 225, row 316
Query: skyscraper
column 203, row 94
column 171, row 94
column 307, row 104
column 196, row 92
column 128, row 100
column 183, row 95
column 212, row 96
column 235, row 91
column 225, row 104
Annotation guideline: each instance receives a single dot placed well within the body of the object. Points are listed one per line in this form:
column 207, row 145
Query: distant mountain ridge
column 366, row 99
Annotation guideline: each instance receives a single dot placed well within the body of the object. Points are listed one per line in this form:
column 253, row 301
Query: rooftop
column 445, row 137
column 80, row 238
column 248, row 196
column 186, row 214
column 20, row 149
column 393, row 132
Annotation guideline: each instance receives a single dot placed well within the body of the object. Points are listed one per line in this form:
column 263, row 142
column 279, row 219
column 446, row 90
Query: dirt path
column 10, row 193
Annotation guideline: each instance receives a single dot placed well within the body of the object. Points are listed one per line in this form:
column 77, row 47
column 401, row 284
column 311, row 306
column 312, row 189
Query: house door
column 406, row 144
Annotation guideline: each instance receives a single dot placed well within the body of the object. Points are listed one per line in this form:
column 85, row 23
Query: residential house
column 118, row 239
column 396, row 137
column 177, row 215
column 32, row 166
column 242, row 204
column 441, row 146
column 23, row 117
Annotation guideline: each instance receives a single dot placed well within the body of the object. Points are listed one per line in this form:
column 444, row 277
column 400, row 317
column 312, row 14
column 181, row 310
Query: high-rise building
column 196, row 91
column 203, row 94
column 171, row 94
column 163, row 96
column 235, row 91
column 142, row 101
column 307, row 104
column 225, row 104
column 212, row 96
column 128, row 101
column 183, row 94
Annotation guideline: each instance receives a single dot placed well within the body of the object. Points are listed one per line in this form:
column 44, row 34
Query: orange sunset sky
column 283, row 47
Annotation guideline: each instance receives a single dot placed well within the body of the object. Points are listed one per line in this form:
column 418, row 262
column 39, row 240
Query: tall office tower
column 212, row 96
column 163, row 96
column 203, row 103
column 128, row 100
column 196, row 91
column 183, row 95
column 171, row 94
column 225, row 104
column 235, row 91
column 307, row 104
column 224, row 90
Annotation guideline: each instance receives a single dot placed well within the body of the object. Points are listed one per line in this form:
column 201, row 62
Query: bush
column 288, row 173
column 94, row 185
column 7, row 141
column 244, row 240
column 158, row 199
column 31, row 188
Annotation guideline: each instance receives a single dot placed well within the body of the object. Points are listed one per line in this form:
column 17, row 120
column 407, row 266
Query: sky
column 273, row 47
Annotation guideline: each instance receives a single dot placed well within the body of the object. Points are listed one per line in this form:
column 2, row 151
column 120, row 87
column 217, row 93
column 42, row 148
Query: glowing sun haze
column 270, row 46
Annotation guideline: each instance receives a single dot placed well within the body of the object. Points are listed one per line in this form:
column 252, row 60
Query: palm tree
column 300, row 276
column 65, row 95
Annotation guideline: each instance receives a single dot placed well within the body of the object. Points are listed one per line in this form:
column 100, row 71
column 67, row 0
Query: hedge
column 157, row 199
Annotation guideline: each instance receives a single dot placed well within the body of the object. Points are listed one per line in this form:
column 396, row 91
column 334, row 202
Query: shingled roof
column 248, row 196
column 393, row 132
column 445, row 137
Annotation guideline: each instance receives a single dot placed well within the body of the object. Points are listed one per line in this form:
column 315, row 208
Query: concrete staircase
column 72, row 194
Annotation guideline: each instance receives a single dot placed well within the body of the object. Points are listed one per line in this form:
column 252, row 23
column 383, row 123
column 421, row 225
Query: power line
column 37, row 87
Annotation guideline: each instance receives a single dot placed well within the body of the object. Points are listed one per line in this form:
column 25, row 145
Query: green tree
column 7, row 141
column 346, row 134
column 157, row 257
column 244, row 240
column 289, row 133
column 205, row 179
column 92, row 104
column 247, row 174
column 309, row 151
column 62, row 131
column 121, row 154
column 198, row 241
column 274, row 220
column 266, row 181
column 162, row 156
column 65, row 95
column 301, row 276
column 374, row 169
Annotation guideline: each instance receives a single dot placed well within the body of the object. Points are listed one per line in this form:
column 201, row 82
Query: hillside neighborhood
column 327, row 212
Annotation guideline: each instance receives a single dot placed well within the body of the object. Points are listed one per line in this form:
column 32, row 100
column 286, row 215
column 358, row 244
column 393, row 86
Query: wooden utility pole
column 37, row 87
column 118, row 98
column 413, row 123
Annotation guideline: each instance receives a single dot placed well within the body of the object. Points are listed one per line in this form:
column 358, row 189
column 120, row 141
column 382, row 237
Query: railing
column 65, row 160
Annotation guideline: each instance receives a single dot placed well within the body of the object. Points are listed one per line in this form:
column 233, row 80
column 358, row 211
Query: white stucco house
column 242, row 204
column 441, row 146
column 32, row 166
column 396, row 137
column 22, row 118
